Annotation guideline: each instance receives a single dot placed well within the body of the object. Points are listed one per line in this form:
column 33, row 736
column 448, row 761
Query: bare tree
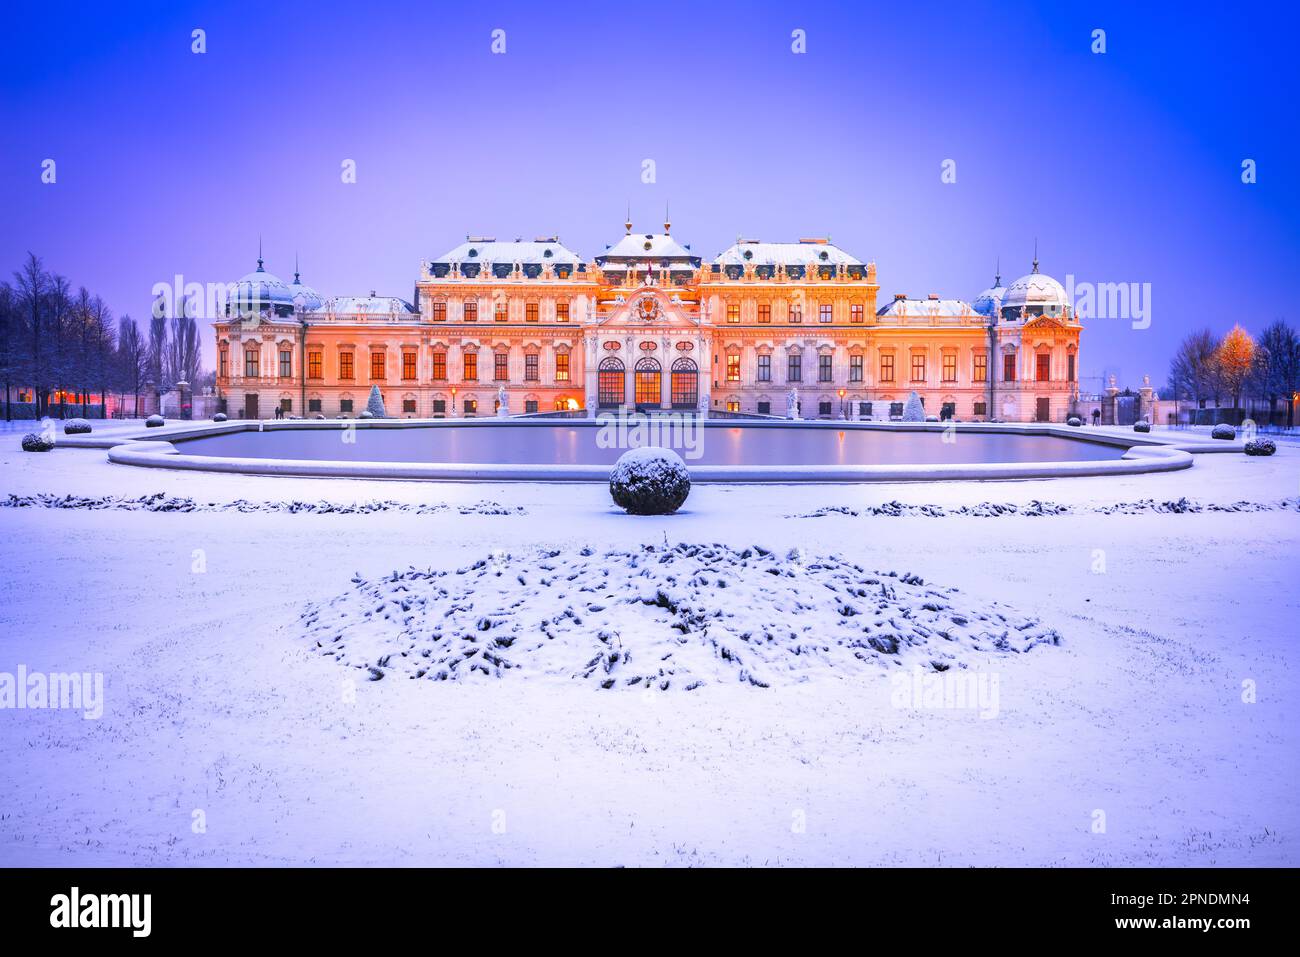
column 132, row 359
column 1194, row 371
column 33, row 284
column 9, row 349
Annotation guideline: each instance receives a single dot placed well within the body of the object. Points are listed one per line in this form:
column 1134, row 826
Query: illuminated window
column 1009, row 367
column 855, row 312
column 733, row 405
column 918, row 366
column 471, row 367
column 313, row 365
column 981, row 370
column 471, row 310
column 764, row 312
column 377, row 364
column 408, row 365
column 826, row 312
column 530, row 311
column 733, row 366
column 733, row 312
column 500, row 365
column 502, row 311
column 439, row 312
column 561, row 367
column 345, row 365
column 561, row 312
column 440, row 365
column 1044, row 367
column 950, row 367
column 887, row 368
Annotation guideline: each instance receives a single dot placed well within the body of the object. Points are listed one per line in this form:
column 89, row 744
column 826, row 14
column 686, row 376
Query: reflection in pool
column 580, row 445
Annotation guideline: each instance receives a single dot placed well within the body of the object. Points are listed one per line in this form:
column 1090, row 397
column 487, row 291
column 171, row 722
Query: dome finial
column 668, row 225
column 627, row 223
column 296, row 280
column 1035, row 254
column 259, row 255
column 997, row 274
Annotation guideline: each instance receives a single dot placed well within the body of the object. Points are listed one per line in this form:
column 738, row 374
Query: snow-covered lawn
column 1127, row 743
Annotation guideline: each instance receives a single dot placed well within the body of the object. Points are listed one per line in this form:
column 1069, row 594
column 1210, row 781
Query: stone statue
column 503, row 403
column 792, row 404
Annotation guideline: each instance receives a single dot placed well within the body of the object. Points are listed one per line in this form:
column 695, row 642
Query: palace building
column 649, row 324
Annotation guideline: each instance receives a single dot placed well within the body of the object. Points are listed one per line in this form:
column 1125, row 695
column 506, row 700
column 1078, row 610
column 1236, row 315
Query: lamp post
column 843, row 411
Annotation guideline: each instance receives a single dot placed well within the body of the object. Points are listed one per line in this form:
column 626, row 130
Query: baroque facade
column 649, row 324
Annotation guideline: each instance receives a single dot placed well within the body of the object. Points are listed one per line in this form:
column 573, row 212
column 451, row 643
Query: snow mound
column 650, row 481
column 667, row 617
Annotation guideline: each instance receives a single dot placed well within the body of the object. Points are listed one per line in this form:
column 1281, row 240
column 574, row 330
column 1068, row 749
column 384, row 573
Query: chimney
column 899, row 296
column 934, row 297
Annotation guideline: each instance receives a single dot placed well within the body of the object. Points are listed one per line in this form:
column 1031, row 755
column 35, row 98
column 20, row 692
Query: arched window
column 610, row 381
column 647, row 386
column 685, row 384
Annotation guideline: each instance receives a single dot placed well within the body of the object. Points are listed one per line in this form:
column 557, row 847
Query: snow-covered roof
column 987, row 302
column 366, row 305
column 535, row 252
column 260, row 286
column 1036, row 289
column 302, row 293
column 926, row 309
column 803, row 253
column 643, row 246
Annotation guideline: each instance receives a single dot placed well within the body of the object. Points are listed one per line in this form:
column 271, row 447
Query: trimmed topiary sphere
column 76, row 427
column 932, row 418
column 219, row 417
column 32, row 442
column 1260, row 447
column 366, row 414
column 650, row 481
column 1223, row 431
column 1075, row 421
column 155, row 421
column 1141, row 426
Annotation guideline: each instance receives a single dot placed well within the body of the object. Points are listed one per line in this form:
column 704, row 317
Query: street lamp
column 843, row 413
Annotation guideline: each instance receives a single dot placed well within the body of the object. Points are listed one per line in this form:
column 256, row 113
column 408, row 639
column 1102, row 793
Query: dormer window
column 473, row 252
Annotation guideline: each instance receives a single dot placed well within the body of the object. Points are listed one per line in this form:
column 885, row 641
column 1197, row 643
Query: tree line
column 57, row 342
column 1239, row 367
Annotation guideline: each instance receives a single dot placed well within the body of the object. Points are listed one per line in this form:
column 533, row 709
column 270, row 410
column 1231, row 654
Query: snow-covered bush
column 650, row 481
column 932, row 418
column 321, row 415
column 1143, row 426
column 366, row 414
column 76, row 427
column 913, row 411
column 1260, row 447
column 1223, row 431
column 34, row 442
column 1075, row 421
column 219, row 417
column 375, row 405
column 155, row 421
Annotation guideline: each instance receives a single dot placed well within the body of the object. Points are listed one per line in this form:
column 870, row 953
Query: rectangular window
column 471, row 406
column 733, row 405
column 313, row 365
column 250, row 363
column 796, row 312
column 561, row 312
column 981, row 408
column 733, row 366
column 471, row 310
column 764, row 312
column 1044, row 367
column 500, row 366
column 440, row 366
column 886, row 368
column 764, row 368
column 855, row 312
column 826, row 312
column 377, row 364
column 824, row 409
column 864, row 410
column 918, row 367
column 765, row 408
column 286, row 405
column 439, row 408
column 313, row 405
column 530, row 367
column 530, row 311
column 439, row 312
column 733, row 312
column 794, row 368
column 286, row 363
column 950, row 367
column 1009, row 367
column 345, row 405
column 825, row 371
column 1069, row 368
column 855, row 368
column 408, row 406
column 561, row 367
column 981, row 371
column 530, row 405
column 408, row 365
column 501, row 312
column 223, row 364
column 345, row 365
column 471, row 367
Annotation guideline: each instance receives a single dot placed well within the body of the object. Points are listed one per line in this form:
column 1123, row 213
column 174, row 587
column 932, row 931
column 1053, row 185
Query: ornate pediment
column 649, row 306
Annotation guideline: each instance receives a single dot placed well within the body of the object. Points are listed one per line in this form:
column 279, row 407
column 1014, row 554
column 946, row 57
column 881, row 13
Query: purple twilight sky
column 1126, row 166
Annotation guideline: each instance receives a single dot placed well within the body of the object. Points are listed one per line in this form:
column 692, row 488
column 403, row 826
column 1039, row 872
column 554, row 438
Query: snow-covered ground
column 1128, row 742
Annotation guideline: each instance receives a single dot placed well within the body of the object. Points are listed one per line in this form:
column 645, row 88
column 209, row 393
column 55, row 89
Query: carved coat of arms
column 647, row 309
